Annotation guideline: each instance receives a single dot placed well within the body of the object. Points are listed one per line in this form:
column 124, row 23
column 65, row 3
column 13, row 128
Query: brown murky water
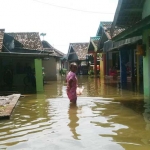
column 105, row 118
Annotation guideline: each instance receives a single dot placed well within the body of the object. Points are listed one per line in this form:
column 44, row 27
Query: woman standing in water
column 72, row 83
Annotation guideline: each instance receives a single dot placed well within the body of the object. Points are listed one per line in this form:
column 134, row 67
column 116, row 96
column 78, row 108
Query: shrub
column 90, row 72
column 63, row 71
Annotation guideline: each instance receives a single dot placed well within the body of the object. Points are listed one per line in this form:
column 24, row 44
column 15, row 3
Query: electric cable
column 74, row 9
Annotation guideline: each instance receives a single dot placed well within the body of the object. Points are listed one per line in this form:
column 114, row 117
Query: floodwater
column 104, row 118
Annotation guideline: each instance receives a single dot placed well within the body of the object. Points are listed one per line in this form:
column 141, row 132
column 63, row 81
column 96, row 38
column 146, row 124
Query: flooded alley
column 104, row 118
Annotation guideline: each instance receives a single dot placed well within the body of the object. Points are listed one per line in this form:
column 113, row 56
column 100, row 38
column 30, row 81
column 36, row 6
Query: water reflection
column 73, row 124
column 119, row 123
column 146, row 115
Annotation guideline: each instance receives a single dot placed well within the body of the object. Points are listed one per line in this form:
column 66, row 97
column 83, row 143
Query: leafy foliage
column 63, row 71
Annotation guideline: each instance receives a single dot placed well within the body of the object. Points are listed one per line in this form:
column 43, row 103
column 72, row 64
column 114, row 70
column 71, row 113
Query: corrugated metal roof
column 29, row 40
column 1, row 38
column 81, row 50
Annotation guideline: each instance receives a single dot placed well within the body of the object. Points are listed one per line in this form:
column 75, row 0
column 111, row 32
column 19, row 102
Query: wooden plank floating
column 8, row 108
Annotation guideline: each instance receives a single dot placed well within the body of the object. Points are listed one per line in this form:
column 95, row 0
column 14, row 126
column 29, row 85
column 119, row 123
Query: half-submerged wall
column 51, row 68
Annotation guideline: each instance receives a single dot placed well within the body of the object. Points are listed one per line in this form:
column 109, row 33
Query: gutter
column 31, row 55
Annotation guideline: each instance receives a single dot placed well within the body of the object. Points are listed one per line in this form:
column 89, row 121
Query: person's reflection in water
column 72, row 112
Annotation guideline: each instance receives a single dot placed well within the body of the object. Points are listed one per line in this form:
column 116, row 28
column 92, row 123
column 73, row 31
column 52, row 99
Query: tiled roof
column 47, row 47
column 103, row 26
column 29, row 40
column 58, row 53
column 107, row 28
column 1, row 38
column 117, row 30
column 81, row 49
column 95, row 40
column 50, row 48
column 46, row 44
column 106, row 24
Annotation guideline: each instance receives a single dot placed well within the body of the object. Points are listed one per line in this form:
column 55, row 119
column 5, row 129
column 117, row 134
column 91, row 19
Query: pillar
column 95, row 63
column 39, row 75
column 101, row 66
column 132, row 65
column 110, row 61
column 146, row 66
column 123, row 61
column 107, row 64
column 138, row 70
column 1, row 73
column 104, row 62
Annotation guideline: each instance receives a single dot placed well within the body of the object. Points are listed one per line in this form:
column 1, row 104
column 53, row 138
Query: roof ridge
column 79, row 43
column 20, row 32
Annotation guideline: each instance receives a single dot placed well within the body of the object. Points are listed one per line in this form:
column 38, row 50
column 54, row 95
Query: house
column 93, row 58
column 78, row 52
column 53, row 64
column 107, row 59
column 64, row 62
column 21, row 57
column 137, row 24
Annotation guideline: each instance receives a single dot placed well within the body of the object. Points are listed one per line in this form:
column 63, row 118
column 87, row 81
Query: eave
column 24, row 55
column 93, row 45
column 128, row 13
column 135, row 30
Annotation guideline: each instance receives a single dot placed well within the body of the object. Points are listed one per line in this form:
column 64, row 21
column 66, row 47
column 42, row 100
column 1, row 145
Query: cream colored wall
column 58, row 67
column 50, row 69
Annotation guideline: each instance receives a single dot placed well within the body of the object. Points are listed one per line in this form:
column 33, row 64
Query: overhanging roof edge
column 135, row 29
column 116, row 16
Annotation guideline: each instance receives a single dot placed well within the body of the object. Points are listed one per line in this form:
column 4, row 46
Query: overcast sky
column 63, row 21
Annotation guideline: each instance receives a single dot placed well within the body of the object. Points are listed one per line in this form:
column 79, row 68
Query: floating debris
column 7, row 104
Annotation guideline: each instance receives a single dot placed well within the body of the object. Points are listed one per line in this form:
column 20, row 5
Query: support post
column 101, row 66
column 104, row 62
column 132, row 65
column 95, row 63
column 146, row 67
column 138, row 71
column 107, row 63
column 123, row 71
column 39, row 75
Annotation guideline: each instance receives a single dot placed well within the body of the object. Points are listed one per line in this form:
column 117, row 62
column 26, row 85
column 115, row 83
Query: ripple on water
column 98, row 122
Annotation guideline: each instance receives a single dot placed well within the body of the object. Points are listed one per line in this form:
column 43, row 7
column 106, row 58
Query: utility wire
column 74, row 9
